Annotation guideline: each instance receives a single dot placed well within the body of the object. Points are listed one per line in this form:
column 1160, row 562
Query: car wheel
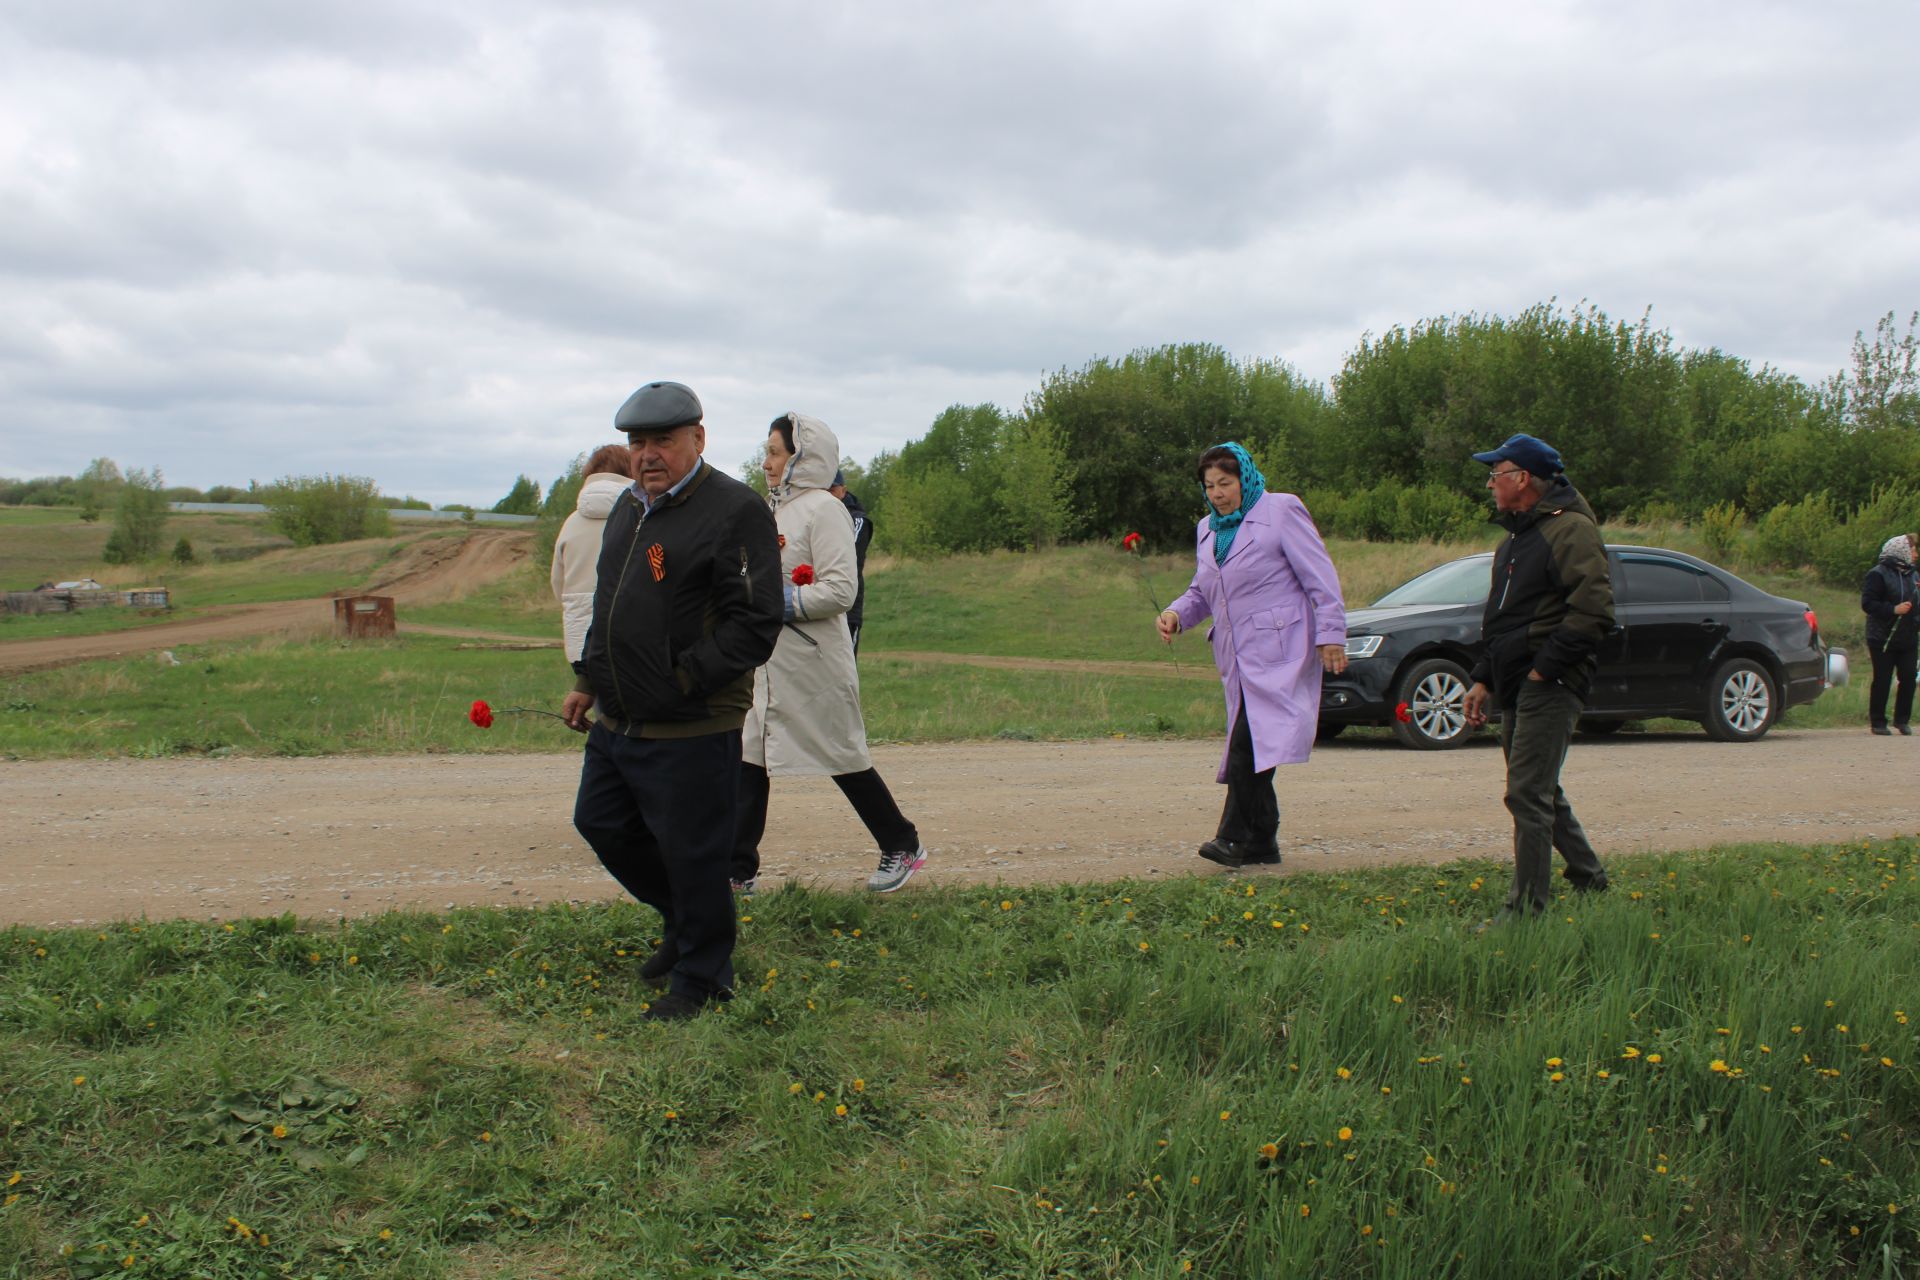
column 1741, row 702
column 1327, row 732
column 1433, row 694
column 1600, row 728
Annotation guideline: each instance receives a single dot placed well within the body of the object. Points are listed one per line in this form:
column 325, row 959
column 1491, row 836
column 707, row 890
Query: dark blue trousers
column 659, row 813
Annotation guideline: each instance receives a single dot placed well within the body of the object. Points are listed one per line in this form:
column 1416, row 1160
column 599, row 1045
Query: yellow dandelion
column 486, row 1135
column 353, row 959
column 1146, row 946
column 1553, row 1062
column 279, row 1131
column 1269, row 1150
column 1557, row 1076
column 806, row 1215
column 1399, row 1000
column 79, row 1080
column 1226, row 1115
column 1795, row 1030
column 820, row 1096
column 1306, row 1211
column 859, row 1086
column 14, row 1181
column 1006, row 905
column 1654, row 1058
column 1346, row 1134
column 142, row 1220
column 795, row 1087
column 1630, row 1052
column 1343, row 1073
column 673, row 1115
column 1886, row 1062
column 840, row 1109
column 1645, row 1239
column 1718, row 1066
column 1366, row 1229
column 386, row 1233
column 1604, row 1074
column 1466, row 1079
column 833, row 964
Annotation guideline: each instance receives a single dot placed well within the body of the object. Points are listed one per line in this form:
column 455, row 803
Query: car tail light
column 1813, row 621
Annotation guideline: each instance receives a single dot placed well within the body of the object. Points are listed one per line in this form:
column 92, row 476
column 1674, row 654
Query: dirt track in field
column 88, row 841
column 425, row 572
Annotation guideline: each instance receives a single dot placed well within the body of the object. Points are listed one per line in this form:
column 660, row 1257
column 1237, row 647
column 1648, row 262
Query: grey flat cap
column 657, row 407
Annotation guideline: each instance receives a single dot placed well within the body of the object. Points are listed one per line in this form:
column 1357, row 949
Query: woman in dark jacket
column 1888, row 597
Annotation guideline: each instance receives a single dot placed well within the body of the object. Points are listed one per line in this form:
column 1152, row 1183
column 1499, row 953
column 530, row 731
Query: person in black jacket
column 862, row 536
column 1888, row 597
column 686, row 604
column 1551, row 601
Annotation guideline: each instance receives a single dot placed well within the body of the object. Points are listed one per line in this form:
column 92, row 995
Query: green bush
column 1790, row 533
column 315, row 510
column 1845, row 552
column 1721, row 527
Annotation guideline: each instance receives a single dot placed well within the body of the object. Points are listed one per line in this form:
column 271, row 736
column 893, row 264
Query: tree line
column 1649, row 431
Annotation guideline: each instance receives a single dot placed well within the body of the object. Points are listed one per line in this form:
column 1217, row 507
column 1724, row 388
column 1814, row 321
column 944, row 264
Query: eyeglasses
column 1511, row 471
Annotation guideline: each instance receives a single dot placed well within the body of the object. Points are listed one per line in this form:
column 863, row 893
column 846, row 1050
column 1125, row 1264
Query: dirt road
column 88, row 840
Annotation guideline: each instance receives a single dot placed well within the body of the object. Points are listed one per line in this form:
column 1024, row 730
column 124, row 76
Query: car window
column 1457, row 582
column 1650, row 581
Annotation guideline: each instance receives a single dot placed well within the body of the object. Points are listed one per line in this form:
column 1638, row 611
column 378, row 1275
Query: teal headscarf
column 1252, row 485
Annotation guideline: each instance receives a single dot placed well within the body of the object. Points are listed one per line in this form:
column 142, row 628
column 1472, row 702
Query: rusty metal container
column 359, row 617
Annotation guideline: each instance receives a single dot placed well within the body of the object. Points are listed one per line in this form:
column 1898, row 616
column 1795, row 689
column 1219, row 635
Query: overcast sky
column 438, row 243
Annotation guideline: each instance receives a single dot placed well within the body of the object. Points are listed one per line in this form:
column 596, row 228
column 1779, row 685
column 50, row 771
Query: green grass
column 278, row 696
column 1710, row 1071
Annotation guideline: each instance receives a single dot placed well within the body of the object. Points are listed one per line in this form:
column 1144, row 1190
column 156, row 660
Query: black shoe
column 1266, row 858
column 1883, row 731
column 659, row 965
column 1222, row 852
column 674, row 1007
column 1904, row 731
column 1591, row 886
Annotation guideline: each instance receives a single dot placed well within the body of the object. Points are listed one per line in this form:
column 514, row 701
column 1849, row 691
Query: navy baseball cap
column 1529, row 453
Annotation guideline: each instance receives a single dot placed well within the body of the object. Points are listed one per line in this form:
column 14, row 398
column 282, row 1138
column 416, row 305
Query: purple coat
column 1272, row 602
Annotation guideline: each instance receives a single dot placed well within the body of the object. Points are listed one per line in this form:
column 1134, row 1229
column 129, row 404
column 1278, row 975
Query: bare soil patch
column 97, row 840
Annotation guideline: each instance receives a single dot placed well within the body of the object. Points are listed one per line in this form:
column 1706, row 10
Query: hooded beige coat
column 806, row 701
column 576, row 554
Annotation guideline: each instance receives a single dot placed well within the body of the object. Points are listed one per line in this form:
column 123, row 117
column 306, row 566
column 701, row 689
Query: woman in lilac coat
column 1266, row 580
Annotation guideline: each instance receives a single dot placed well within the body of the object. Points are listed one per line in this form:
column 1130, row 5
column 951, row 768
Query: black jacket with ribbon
column 686, row 604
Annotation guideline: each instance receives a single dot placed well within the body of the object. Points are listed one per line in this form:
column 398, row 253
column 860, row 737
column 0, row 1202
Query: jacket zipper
column 618, row 692
column 1505, row 590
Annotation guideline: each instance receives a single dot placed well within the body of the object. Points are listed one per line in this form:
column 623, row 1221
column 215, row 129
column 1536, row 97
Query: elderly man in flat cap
column 686, row 604
column 1550, row 604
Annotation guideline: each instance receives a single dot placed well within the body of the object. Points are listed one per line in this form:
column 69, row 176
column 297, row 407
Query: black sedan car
column 1689, row 640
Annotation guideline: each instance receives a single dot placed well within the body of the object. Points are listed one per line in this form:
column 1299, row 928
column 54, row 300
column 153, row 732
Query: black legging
column 1251, row 819
column 865, row 791
column 1887, row 664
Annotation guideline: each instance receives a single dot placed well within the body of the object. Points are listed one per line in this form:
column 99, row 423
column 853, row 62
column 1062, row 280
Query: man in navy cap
column 686, row 604
column 1550, row 604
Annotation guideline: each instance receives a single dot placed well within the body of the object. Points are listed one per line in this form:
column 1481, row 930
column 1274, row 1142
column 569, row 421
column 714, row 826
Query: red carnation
column 803, row 575
column 481, row 714
column 1132, row 542
column 1403, row 713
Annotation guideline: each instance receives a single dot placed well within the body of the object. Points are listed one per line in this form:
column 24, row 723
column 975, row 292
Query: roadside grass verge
column 1709, row 1071
column 296, row 695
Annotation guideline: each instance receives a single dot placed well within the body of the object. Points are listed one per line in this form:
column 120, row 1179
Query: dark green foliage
column 521, row 500
column 183, row 552
column 316, row 510
column 140, row 513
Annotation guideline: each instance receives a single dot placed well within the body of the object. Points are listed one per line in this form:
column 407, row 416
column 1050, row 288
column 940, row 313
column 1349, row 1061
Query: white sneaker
column 896, row 869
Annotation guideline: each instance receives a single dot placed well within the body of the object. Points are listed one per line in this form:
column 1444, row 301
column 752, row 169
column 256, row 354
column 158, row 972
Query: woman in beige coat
column 576, row 551
column 806, row 700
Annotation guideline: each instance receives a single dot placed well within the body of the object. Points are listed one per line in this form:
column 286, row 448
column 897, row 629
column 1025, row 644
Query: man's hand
column 1905, row 606
column 1476, row 705
column 1169, row 624
column 574, row 708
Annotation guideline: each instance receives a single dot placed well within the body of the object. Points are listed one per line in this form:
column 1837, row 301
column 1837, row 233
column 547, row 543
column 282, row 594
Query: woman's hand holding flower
column 1169, row 624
